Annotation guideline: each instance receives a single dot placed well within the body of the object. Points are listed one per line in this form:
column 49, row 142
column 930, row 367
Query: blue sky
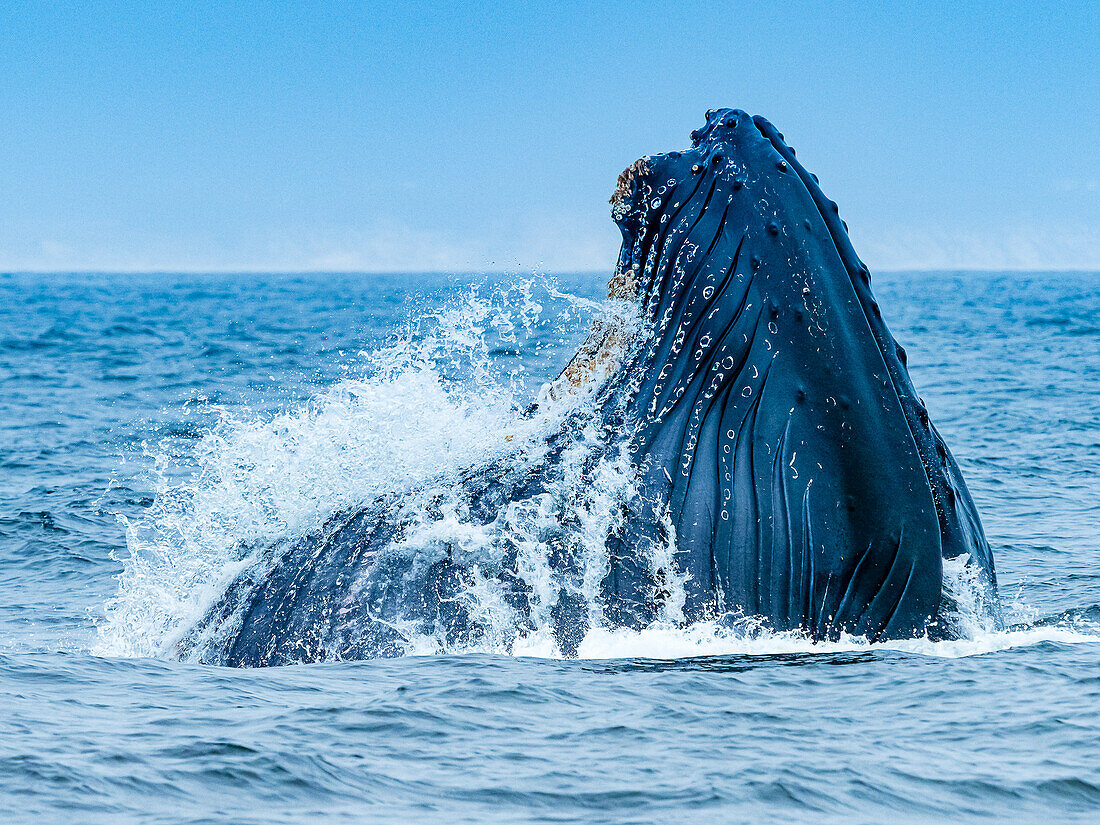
column 485, row 136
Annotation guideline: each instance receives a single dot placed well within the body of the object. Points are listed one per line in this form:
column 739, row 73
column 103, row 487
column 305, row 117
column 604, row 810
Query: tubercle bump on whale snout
column 720, row 124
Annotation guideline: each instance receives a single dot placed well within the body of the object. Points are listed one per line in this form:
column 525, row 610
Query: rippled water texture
column 119, row 390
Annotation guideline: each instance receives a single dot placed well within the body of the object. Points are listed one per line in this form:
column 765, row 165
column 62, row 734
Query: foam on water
column 410, row 418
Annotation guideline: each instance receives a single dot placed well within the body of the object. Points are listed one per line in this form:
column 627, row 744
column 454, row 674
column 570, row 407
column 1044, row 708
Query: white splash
column 708, row 639
column 257, row 482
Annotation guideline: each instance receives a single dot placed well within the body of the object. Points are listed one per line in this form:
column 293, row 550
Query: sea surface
column 148, row 422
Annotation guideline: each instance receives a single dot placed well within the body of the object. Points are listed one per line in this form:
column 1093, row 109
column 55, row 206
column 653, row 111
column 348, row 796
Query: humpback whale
column 778, row 462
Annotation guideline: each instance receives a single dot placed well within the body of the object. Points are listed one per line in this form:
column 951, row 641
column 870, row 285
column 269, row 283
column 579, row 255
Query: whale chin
column 781, row 465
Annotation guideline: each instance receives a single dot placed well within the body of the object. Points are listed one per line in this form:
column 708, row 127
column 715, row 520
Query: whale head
column 775, row 416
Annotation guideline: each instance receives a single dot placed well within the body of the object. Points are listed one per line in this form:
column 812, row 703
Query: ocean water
column 150, row 424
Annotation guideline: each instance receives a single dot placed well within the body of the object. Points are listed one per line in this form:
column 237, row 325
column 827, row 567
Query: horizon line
column 485, row 272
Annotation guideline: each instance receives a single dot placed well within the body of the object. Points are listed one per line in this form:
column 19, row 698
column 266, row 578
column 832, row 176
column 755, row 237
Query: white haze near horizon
column 553, row 248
